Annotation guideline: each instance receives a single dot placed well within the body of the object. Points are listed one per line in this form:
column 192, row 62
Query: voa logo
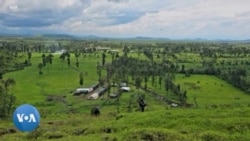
column 26, row 118
column 29, row 118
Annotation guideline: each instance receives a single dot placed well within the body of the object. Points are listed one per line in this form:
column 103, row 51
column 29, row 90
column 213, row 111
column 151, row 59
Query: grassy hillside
column 223, row 111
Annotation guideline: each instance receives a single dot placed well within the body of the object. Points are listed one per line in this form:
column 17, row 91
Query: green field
column 221, row 112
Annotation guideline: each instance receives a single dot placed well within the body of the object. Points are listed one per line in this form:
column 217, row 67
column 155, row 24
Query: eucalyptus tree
column 44, row 59
column 81, row 78
column 68, row 59
column 168, row 84
column 99, row 72
column 29, row 56
column 145, row 82
column 49, row 60
column 126, row 50
column 138, row 83
column 103, row 58
column 112, row 56
column 40, row 66
column 77, row 54
column 62, row 58
column 160, row 81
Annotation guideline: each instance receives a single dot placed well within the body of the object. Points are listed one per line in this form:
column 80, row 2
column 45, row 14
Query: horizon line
column 124, row 37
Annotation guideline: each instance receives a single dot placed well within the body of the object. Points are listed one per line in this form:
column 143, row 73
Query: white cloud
column 169, row 18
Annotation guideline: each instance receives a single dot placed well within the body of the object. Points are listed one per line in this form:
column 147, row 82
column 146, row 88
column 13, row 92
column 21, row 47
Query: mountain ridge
column 68, row 36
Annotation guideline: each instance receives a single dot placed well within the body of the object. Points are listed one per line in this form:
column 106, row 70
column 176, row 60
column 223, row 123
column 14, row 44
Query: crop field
column 192, row 92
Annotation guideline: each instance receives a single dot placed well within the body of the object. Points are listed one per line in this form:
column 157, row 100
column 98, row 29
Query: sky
column 175, row 19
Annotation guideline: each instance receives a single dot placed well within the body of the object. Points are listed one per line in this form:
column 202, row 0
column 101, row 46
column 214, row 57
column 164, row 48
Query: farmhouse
column 79, row 91
column 83, row 91
column 125, row 89
column 99, row 92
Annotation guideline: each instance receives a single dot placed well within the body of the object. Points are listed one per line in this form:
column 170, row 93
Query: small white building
column 125, row 89
column 83, row 90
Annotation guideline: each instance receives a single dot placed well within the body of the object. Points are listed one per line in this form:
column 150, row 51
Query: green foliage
column 7, row 98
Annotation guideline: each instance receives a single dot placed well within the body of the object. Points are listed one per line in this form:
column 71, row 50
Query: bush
column 7, row 99
column 53, row 135
column 34, row 135
column 155, row 135
column 212, row 136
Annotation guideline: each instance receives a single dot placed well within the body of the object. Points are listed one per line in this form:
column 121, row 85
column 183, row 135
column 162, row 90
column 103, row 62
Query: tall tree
column 81, row 79
column 29, row 56
column 145, row 82
column 103, row 58
column 62, row 57
column 68, row 59
column 113, row 56
column 40, row 66
column 44, row 59
column 77, row 54
column 99, row 72
column 138, row 83
column 168, row 84
column 49, row 60
column 160, row 81
column 125, row 50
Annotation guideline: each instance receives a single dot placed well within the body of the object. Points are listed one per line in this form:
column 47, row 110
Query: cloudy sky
column 176, row 19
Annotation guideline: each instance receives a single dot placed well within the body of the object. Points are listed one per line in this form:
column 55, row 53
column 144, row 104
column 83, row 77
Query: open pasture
column 218, row 111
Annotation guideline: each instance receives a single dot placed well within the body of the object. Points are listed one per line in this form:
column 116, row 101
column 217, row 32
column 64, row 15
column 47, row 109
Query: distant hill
column 58, row 36
column 95, row 37
column 246, row 41
column 14, row 35
column 151, row 38
column 92, row 37
column 143, row 38
column 50, row 36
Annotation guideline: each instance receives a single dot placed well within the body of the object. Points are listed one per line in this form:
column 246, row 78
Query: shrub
column 155, row 135
column 212, row 136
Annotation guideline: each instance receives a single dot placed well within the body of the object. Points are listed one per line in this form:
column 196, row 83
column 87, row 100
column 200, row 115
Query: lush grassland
column 223, row 111
column 161, row 123
column 210, row 90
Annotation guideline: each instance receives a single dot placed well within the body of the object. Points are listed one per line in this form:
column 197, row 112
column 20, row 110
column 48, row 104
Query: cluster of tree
column 46, row 60
column 11, row 59
column 67, row 55
column 124, row 68
column 237, row 77
column 229, row 69
column 7, row 98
